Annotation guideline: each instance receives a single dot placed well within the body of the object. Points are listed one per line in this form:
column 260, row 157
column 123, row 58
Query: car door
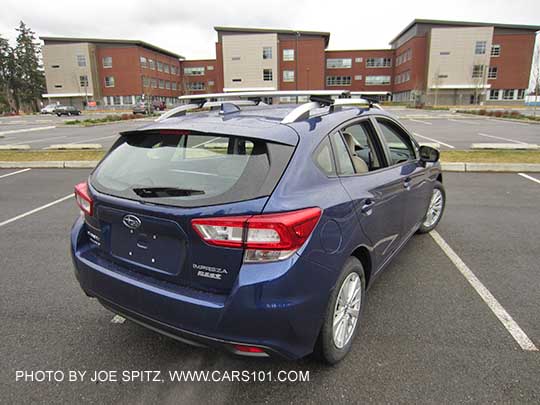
column 377, row 193
column 402, row 153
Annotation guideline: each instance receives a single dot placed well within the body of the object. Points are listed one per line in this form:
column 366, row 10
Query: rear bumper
column 278, row 307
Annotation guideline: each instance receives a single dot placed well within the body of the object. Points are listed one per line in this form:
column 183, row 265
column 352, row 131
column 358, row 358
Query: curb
column 97, row 124
column 55, row 164
column 447, row 167
column 490, row 167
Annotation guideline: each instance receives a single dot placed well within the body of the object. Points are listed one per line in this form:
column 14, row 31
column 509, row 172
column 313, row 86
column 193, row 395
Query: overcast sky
column 186, row 27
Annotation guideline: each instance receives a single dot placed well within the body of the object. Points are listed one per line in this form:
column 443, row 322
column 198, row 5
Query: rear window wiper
column 157, row 192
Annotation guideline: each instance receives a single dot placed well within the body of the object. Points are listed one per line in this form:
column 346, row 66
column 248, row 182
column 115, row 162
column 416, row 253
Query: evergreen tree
column 6, row 74
column 29, row 80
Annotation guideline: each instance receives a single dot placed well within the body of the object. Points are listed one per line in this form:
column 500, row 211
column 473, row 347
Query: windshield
column 190, row 169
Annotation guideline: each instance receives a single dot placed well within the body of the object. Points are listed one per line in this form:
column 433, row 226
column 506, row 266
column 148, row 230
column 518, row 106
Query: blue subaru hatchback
column 254, row 229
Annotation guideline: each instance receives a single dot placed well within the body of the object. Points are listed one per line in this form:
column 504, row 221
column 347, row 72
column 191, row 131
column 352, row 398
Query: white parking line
column 434, row 140
column 511, row 326
column 508, row 122
column 95, row 139
column 207, row 142
column 462, row 121
column 421, row 122
column 12, row 173
column 529, row 177
column 39, row 140
column 500, row 137
column 16, row 131
column 36, row 210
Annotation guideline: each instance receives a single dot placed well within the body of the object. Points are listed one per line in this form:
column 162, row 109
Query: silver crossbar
column 183, row 109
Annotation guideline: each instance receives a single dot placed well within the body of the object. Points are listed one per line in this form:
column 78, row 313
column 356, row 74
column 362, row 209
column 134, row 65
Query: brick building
column 429, row 61
column 108, row 71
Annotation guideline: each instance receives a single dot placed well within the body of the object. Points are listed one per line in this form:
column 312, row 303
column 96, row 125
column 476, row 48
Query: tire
column 330, row 350
column 428, row 224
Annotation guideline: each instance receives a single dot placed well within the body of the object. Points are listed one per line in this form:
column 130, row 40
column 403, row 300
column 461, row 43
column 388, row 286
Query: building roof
column 324, row 34
column 465, row 24
column 113, row 42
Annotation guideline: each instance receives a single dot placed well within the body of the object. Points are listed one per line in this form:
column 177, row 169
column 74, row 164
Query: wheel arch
column 363, row 254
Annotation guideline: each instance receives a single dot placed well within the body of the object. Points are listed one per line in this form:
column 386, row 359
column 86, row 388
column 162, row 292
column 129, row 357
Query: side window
column 363, row 144
column 343, row 159
column 399, row 144
column 323, row 158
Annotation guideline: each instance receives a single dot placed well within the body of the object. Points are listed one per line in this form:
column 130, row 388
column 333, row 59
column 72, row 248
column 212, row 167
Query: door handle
column 367, row 206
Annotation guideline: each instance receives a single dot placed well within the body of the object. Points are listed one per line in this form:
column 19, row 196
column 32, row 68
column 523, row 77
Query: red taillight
column 248, row 349
column 83, row 199
column 265, row 237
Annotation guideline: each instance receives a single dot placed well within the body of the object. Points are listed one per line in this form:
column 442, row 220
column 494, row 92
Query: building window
column 161, row 83
column 288, row 54
column 107, row 61
column 167, row 84
column 338, row 80
column 378, row 62
column 210, row 67
column 237, row 80
column 151, row 64
column 81, row 60
column 358, row 77
column 154, row 83
column 478, row 71
column 127, row 100
column 494, row 94
column 521, row 94
column 338, row 63
column 377, row 80
column 235, row 58
column 166, row 68
column 143, row 62
column 267, row 52
column 480, row 48
column 159, row 66
column 508, row 94
column 195, row 86
column 492, row 72
column 444, row 53
column 288, row 75
column 210, row 83
column 117, row 100
column 359, row 60
column 267, row 75
column 55, row 66
column 194, row 71
column 109, row 81
column 495, row 50
column 57, row 86
column 146, row 81
column 83, row 80
column 174, row 86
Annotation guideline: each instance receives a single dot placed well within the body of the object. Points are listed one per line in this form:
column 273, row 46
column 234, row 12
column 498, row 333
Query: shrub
column 482, row 112
column 498, row 114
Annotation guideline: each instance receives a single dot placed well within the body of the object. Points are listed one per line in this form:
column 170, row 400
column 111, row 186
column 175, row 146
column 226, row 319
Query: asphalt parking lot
column 428, row 336
column 449, row 130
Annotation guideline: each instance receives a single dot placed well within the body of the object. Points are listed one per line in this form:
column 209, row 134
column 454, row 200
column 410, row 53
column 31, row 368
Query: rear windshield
column 191, row 169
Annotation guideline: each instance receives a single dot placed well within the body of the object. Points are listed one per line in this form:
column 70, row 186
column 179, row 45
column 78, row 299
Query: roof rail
column 334, row 99
column 225, row 107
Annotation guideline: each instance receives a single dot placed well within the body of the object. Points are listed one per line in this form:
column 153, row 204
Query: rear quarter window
column 191, row 169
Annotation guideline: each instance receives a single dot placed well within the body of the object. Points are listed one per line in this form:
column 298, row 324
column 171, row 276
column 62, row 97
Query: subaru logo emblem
column 131, row 221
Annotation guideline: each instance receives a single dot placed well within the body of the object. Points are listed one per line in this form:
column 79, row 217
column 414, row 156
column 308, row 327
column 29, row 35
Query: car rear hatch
column 151, row 186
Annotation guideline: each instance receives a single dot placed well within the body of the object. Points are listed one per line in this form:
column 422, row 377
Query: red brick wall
column 209, row 76
column 309, row 59
column 417, row 65
column 514, row 62
column 128, row 73
column 360, row 69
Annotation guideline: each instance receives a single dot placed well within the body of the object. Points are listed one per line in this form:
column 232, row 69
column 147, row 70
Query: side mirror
column 429, row 154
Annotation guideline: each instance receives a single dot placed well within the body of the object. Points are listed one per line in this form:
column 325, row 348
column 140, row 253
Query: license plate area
column 157, row 244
